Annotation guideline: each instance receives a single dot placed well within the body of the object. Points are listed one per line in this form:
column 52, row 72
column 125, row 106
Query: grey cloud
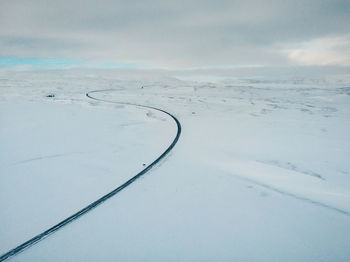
column 167, row 33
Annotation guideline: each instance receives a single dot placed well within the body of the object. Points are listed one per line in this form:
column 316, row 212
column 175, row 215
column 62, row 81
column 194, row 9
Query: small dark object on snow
column 141, row 87
column 50, row 95
column 193, row 113
column 144, row 164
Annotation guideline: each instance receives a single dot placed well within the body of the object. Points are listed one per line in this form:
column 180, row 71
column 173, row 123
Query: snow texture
column 260, row 173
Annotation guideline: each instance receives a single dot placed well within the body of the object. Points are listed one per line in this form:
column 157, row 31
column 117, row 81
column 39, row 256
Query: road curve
column 99, row 201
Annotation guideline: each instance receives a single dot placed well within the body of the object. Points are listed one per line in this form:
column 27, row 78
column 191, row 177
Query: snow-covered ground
column 260, row 173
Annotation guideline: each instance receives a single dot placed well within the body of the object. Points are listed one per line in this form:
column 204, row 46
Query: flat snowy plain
column 261, row 171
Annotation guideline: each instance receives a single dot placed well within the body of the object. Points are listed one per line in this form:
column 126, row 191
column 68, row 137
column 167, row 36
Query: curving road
column 99, row 201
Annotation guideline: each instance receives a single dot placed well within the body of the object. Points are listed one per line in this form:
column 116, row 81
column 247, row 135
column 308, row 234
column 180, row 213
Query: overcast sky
column 175, row 34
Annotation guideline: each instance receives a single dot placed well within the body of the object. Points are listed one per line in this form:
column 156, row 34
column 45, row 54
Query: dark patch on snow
column 293, row 167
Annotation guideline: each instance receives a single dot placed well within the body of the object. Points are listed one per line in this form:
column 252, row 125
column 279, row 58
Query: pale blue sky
column 61, row 63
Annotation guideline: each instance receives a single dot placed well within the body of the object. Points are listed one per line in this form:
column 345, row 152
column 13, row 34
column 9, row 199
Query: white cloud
column 321, row 51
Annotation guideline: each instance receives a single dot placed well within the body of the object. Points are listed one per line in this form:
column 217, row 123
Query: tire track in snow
column 99, row 201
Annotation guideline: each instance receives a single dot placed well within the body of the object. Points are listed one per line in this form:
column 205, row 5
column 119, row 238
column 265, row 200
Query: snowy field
column 261, row 171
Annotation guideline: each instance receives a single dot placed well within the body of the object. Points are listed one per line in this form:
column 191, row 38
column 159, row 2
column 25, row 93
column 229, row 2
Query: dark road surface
column 99, row 201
